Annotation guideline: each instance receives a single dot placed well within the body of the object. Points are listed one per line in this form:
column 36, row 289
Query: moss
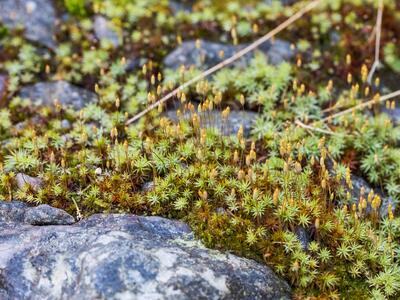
column 243, row 194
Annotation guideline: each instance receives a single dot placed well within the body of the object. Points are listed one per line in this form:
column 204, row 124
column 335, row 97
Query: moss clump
column 247, row 194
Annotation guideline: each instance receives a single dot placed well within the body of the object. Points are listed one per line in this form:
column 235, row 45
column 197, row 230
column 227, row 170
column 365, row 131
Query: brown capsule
column 241, row 175
column 317, row 223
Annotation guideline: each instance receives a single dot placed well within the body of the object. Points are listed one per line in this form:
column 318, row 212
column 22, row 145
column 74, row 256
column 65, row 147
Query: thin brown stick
column 230, row 60
column 326, row 110
column 309, row 127
column 378, row 31
column 361, row 106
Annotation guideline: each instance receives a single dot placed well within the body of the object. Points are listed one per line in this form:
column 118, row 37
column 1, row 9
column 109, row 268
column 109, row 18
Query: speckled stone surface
column 36, row 17
column 121, row 257
column 45, row 93
column 206, row 54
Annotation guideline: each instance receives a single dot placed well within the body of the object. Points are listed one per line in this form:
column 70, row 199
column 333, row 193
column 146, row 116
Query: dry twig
column 378, row 31
column 362, row 105
column 309, row 127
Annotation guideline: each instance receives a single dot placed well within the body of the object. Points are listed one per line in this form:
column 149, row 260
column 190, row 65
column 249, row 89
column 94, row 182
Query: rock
column 221, row 211
column 231, row 126
column 303, row 236
column 45, row 93
column 3, row 89
column 148, row 186
column 133, row 64
column 98, row 171
column 289, row 2
column 104, row 31
column 123, row 257
column 47, row 215
column 65, row 124
column 21, row 126
column 37, row 17
column 177, row 6
column 277, row 52
column 12, row 212
column 284, row 2
column 208, row 54
column 23, row 180
column 334, row 37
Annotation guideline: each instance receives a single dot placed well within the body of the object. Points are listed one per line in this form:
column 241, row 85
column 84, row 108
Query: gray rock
column 45, row 93
column 221, row 211
column 37, row 17
column 47, row 215
column 21, row 126
column 134, row 63
column 24, row 180
column 12, row 212
column 177, row 6
column 65, row 124
column 303, row 236
column 277, row 51
column 230, row 126
column 104, row 31
column 123, row 257
column 288, row 2
column 284, row 2
column 3, row 88
column 334, row 37
column 208, row 54
column 148, row 186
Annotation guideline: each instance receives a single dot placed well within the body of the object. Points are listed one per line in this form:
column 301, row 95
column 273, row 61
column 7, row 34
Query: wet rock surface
column 45, row 93
column 205, row 54
column 121, row 257
column 105, row 32
column 37, row 17
column 230, row 126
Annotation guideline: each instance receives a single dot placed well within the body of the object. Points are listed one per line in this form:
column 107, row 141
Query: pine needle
column 362, row 105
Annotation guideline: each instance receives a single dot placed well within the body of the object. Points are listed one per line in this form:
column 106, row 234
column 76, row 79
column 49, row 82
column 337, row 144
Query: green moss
column 246, row 195
column 76, row 7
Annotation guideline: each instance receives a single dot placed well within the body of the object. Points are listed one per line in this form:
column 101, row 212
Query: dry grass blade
column 229, row 60
column 362, row 105
column 378, row 31
column 309, row 127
